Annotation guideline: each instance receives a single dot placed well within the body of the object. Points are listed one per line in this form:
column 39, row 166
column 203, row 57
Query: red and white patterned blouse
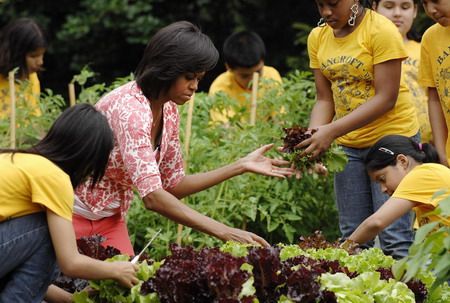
column 133, row 164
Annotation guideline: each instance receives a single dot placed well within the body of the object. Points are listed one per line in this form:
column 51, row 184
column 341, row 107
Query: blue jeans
column 358, row 197
column 27, row 259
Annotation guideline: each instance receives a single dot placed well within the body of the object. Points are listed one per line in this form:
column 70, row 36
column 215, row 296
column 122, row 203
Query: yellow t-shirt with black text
column 30, row 183
column 419, row 93
column 420, row 185
column 227, row 84
column 348, row 63
column 434, row 70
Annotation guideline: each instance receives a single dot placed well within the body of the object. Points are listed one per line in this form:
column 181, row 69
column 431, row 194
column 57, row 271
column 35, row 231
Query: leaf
column 292, row 217
column 424, row 230
column 272, row 226
column 399, row 268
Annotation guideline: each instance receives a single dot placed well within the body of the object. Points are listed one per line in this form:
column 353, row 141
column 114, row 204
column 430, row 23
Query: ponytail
column 385, row 151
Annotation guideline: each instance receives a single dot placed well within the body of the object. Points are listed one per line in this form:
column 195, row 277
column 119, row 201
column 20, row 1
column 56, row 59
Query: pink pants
column 114, row 229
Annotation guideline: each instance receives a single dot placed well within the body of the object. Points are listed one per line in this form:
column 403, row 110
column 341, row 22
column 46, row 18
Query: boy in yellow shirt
column 244, row 53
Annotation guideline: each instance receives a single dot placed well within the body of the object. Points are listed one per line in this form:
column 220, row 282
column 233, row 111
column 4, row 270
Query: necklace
column 157, row 119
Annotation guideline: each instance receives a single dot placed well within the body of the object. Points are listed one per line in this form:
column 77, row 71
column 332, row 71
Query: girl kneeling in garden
column 409, row 172
column 36, row 203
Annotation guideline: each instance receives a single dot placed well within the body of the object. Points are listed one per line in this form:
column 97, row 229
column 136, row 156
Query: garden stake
column 12, row 95
column 187, row 138
column 252, row 120
column 72, row 94
column 254, row 98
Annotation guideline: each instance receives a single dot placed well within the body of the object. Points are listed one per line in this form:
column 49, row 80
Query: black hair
column 385, row 151
column 412, row 34
column 367, row 3
column 174, row 50
column 79, row 142
column 243, row 49
column 17, row 39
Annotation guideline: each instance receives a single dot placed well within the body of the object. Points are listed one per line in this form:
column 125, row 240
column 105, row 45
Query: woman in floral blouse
column 147, row 156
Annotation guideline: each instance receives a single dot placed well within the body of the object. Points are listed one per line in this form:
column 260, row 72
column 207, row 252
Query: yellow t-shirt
column 420, row 184
column 348, row 63
column 32, row 95
column 419, row 93
column 434, row 70
column 227, row 84
column 30, row 184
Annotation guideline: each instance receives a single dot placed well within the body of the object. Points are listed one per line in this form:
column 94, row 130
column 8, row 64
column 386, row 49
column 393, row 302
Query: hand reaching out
column 242, row 236
column 256, row 162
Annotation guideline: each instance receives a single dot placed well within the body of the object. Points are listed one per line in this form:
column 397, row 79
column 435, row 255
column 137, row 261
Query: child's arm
column 386, row 93
column 55, row 294
column 391, row 210
column 438, row 125
column 74, row 264
column 323, row 110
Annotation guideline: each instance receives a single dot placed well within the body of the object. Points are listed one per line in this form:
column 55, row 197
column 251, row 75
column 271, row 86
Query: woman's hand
column 126, row 273
column 242, row 236
column 255, row 162
column 319, row 141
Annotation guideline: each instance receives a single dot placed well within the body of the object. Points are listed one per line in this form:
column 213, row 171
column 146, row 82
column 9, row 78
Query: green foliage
column 334, row 159
column 430, row 250
column 280, row 210
column 110, row 291
column 367, row 286
column 32, row 121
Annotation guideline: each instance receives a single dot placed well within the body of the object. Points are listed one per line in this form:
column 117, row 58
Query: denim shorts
column 27, row 259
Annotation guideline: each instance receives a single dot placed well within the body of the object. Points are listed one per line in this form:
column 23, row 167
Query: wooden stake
column 254, row 98
column 252, row 120
column 187, row 139
column 72, row 99
column 12, row 99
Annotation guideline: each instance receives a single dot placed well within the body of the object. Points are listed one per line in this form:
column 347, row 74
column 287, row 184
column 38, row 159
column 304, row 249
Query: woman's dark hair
column 412, row 34
column 79, row 142
column 17, row 39
column 174, row 50
column 243, row 49
column 385, row 151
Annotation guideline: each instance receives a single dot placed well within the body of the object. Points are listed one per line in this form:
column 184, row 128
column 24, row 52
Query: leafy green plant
column 31, row 123
column 430, row 249
column 334, row 158
column 313, row 271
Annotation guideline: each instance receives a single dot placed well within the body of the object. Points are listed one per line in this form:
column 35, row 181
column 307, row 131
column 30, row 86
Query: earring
column 355, row 10
column 321, row 23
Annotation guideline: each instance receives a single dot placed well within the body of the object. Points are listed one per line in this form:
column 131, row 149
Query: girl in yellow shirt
column 402, row 13
column 356, row 56
column 23, row 44
column 411, row 174
column 434, row 73
column 36, row 203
